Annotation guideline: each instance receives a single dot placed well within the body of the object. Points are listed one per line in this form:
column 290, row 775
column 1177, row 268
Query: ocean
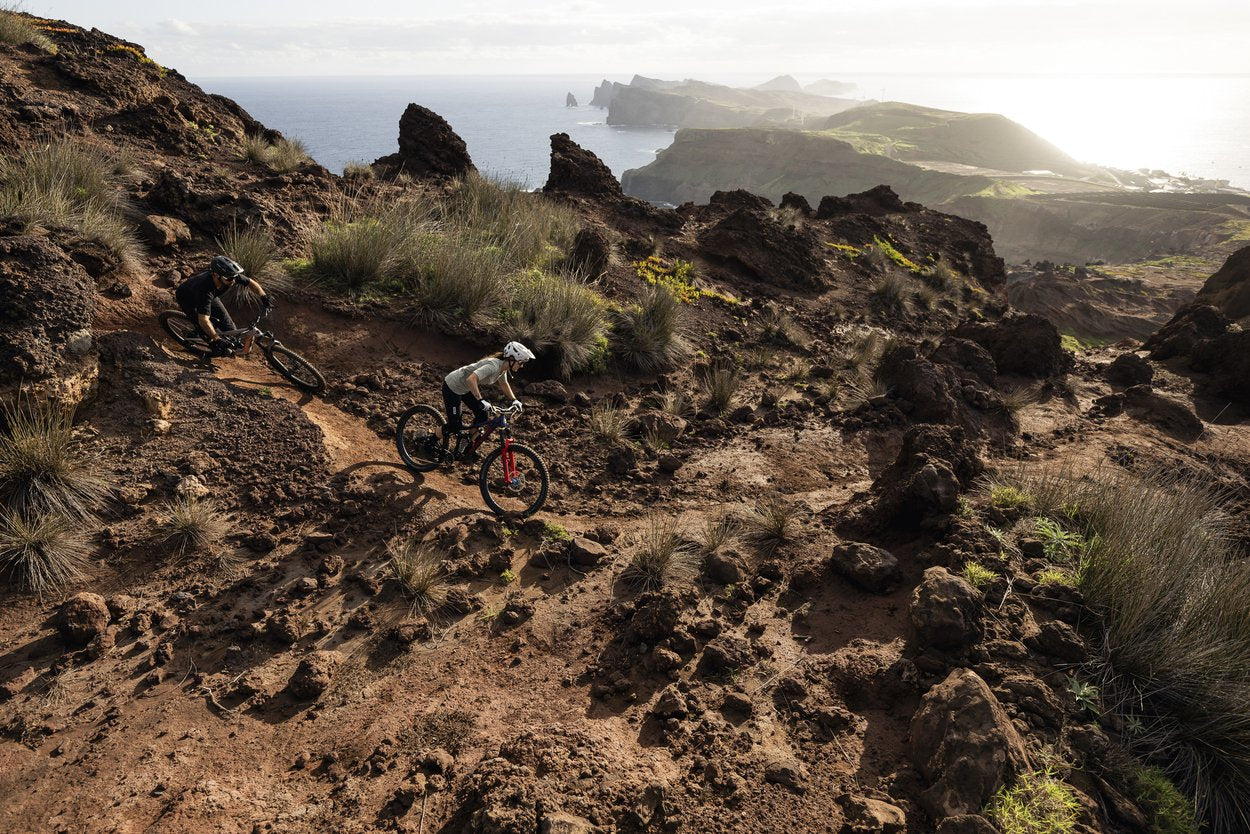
column 1195, row 125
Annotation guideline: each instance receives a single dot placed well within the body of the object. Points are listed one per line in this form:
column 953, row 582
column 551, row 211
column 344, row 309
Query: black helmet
column 226, row 268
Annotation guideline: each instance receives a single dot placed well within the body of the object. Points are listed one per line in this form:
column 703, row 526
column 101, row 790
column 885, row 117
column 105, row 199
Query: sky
column 703, row 38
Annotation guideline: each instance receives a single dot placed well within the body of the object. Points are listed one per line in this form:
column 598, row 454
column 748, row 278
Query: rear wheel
column 418, row 445
column 184, row 332
column 297, row 369
column 519, row 493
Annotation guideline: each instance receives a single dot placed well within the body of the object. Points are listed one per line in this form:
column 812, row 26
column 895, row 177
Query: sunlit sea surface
column 1196, row 125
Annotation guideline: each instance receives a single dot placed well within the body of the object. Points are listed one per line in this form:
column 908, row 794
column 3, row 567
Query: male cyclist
column 463, row 385
column 200, row 299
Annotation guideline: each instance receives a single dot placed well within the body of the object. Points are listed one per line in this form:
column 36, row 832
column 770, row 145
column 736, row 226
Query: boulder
column 162, row 232
column 660, row 425
column 923, row 484
column 946, row 610
column 724, row 654
column 965, row 745
column 1229, row 288
column 558, row 822
column 81, row 618
column 1059, row 640
column 865, row 815
column 926, row 388
column 1192, row 325
column 1225, row 360
column 584, row 552
column 874, row 202
column 969, row 358
column 428, row 148
column 548, row 389
column 749, row 240
column 1129, row 369
column 314, row 674
column 868, row 567
column 1021, row 343
column 622, row 459
column 591, row 251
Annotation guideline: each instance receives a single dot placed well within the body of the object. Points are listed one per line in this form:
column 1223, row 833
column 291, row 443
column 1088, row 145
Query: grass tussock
column 67, row 184
column 528, row 228
column 454, row 281
column 367, row 241
column 44, row 551
column 608, row 423
column 770, row 523
column 42, row 466
column 1038, row 803
column 777, row 326
column 193, row 526
column 15, row 29
column 663, row 557
column 1161, row 563
column 359, row 171
column 1019, row 397
column 559, row 318
column 420, row 573
column 674, row 401
column 255, row 250
column 281, row 157
column 720, row 384
column 890, row 293
column 648, row 335
column 718, row 531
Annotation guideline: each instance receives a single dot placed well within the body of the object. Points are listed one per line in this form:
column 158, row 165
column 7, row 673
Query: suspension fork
column 509, row 461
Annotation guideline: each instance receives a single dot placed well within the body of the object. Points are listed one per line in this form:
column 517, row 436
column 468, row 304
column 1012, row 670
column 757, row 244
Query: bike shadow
column 304, row 397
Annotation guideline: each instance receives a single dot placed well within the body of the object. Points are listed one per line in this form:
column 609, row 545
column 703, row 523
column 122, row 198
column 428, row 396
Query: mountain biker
column 200, row 299
column 463, row 385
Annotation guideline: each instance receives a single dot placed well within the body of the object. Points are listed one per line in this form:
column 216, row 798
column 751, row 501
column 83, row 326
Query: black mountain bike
column 513, row 478
column 284, row 360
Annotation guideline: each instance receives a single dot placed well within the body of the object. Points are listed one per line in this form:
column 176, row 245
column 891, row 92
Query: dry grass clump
column 70, row 185
column 15, row 29
column 42, row 469
column 778, row 327
column 720, row 384
column 608, row 423
column 367, row 240
column 942, row 276
column 359, row 171
column 1019, row 397
column 718, row 531
column 770, row 523
column 420, row 572
column 528, row 228
column 457, row 281
column 192, row 525
column 559, row 318
column 254, row 250
column 890, row 292
column 674, row 401
column 44, row 551
column 662, row 558
column 1163, row 566
column 281, row 157
column 648, row 335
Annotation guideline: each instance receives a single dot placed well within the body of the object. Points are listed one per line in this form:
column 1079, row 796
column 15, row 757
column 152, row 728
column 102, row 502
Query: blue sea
column 1196, row 125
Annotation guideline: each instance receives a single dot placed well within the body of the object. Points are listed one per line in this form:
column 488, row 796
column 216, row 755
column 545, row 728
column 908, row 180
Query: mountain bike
column 284, row 360
column 513, row 478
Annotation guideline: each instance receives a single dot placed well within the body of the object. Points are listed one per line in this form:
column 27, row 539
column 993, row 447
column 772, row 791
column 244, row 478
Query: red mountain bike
column 513, row 478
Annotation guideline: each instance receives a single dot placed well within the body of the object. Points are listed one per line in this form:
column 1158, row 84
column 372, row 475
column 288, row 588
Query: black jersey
column 197, row 293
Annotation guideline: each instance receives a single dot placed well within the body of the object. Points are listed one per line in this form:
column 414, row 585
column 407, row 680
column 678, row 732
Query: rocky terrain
column 862, row 627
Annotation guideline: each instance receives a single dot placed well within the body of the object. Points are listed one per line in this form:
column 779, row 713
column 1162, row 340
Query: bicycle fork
column 510, row 474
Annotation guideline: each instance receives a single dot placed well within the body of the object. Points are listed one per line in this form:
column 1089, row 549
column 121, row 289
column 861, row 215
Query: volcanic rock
column 314, row 673
column 1229, row 288
column 1129, row 369
column 577, row 171
column 751, row 241
column 868, row 567
column 964, row 744
column 428, row 148
column 1171, row 415
column 82, row 617
column 945, row 610
column 924, row 481
column 1023, row 344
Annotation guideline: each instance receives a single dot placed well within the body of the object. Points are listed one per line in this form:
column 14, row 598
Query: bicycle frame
column 498, row 423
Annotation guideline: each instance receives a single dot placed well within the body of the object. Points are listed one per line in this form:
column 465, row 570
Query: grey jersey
column 488, row 372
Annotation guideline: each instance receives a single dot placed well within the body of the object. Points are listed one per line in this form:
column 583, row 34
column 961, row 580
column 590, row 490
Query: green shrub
column 648, row 335
column 1038, row 803
column 559, row 318
column 977, row 575
column 420, row 573
column 662, row 558
column 16, row 29
column 1008, row 497
column 42, row 469
column 1166, row 807
column 1059, row 543
column 455, row 281
column 44, row 551
column 70, row 185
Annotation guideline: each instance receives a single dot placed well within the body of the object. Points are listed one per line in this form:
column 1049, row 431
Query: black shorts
column 217, row 315
column 454, row 403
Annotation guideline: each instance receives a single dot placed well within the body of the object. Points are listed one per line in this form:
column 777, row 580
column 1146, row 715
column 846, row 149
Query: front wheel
column 297, row 369
column 416, row 439
column 519, row 492
column 184, row 332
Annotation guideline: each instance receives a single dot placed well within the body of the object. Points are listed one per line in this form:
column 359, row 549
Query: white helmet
column 517, row 352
